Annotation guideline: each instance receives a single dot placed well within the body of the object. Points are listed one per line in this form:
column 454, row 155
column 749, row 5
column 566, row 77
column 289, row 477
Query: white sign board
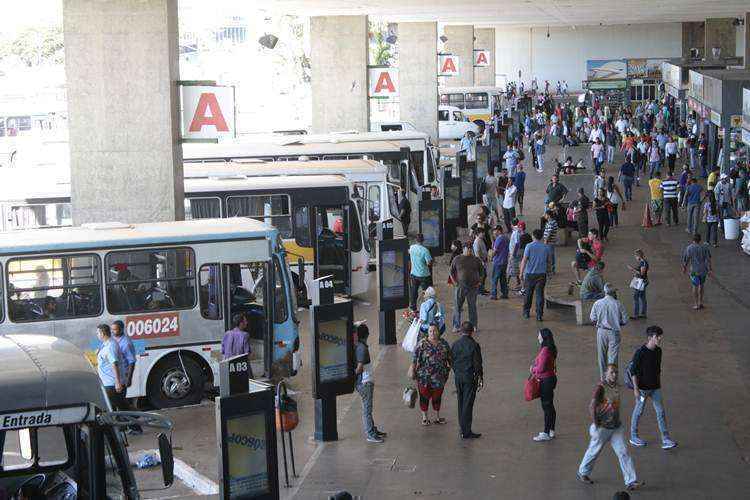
column 44, row 417
column 207, row 112
column 383, row 82
column 481, row 58
column 448, row 65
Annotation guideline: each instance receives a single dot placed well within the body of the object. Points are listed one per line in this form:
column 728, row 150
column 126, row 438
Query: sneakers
column 668, row 444
column 552, row 433
column 584, row 479
column 542, row 436
column 635, row 485
column 375, row 439
column 471, row 435
column 636, row 441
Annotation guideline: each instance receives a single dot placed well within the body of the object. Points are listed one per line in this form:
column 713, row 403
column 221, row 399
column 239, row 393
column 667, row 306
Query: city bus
column 58, row 433
column 477, row 103
column 175, row 286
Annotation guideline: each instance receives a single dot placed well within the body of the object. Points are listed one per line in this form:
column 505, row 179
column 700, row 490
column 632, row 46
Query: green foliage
column 381, row 51
column 35, row 46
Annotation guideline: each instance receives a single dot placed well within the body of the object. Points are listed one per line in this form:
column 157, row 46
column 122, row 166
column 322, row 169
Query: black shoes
column 471, row 435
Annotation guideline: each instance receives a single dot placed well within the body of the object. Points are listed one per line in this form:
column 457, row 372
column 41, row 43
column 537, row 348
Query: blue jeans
column 661, row 416
column 365, row 391
column 534, row 284
column 627, row 181
column 639, row 301
column 463, row 294
column 654, row 166
column 499, row 274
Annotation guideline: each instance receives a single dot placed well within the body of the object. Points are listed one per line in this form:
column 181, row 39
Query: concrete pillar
column 338, row 56
column 121, row 64
column 417, row 70
column 461, row 43
column 693, row 36
column 746, row 52
column 485, row 39
column 721, row 32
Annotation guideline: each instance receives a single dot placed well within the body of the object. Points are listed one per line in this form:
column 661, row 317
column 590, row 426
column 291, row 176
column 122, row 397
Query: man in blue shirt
column 627, row 175
column 693, row 201
column 511, row 160
column 519, row 180
column 500, row 263
column 421, row 270
column 127, row 350
column 537, row 261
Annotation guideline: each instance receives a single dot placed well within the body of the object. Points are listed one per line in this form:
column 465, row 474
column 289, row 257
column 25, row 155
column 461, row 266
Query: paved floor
column 704, row 382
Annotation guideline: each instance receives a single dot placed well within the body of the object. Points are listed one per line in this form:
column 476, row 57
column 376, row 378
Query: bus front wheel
column 176, row 381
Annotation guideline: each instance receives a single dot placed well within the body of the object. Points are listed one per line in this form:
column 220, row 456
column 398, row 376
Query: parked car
column 453, row 124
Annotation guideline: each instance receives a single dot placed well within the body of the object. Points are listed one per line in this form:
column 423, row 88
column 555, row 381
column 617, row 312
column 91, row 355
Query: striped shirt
column 669, row 188
column 550, row 232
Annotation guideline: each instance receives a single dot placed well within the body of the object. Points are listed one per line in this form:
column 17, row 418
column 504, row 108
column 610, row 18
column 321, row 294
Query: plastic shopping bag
column 412, row 334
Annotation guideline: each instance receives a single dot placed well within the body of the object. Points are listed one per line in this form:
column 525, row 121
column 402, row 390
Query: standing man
column 556, row 191
column 420, row 275
column 467, row 272
column 537, row 261
column 128, row 366
column 604, row 409
column 581, row 207
column 511, row 160
column 627, row 176
column 549, row 237
column 490, row 192
column 646, row 376
column 404, row 211
column 657, row 198
column 509, row 203
column 109, row 365
column 693, row 200
column 697, row 257
column 365, row 385
column 236, row 341
column 609, row 316
column 669, row 193
column 468, row 376
column 519, row 180
column 597, row 154
column 500, row 249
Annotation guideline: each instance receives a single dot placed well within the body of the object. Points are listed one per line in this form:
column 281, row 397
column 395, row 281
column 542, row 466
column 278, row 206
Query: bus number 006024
column 152, row 325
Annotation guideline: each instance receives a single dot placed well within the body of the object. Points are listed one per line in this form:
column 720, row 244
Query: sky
column 17, row 16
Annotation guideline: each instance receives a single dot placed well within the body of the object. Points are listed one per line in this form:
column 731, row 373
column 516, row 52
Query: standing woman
column 545, row 369
column 431, row 365
column 615, row 198
column 711, row 218
column 639, row 296
column 602, row 213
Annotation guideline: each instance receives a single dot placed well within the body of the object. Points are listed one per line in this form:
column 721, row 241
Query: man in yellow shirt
column 657, row 198
column 713, row 178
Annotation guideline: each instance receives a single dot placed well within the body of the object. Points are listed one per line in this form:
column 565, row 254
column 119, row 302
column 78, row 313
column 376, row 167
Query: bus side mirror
column 167, row 459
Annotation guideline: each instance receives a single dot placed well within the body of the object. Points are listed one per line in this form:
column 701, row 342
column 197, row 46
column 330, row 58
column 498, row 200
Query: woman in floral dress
column 430, row 367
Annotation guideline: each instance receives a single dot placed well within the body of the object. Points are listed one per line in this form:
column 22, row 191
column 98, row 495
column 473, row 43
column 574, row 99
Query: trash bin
column 731, row 229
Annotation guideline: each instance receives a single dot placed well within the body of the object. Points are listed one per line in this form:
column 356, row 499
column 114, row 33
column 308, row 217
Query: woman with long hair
column 711, row 218
column 545, row 369
column 615, row 198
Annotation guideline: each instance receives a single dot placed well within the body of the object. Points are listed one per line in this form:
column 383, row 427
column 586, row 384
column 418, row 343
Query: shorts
column 697, row 279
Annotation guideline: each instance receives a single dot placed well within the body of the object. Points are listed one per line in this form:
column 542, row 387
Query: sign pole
column 325, row 419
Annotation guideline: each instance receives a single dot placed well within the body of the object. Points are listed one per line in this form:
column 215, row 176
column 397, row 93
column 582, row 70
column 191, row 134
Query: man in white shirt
column 509, row 204
column 469, row 146
column 609, row 316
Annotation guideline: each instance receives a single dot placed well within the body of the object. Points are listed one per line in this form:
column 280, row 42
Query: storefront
column 612, row 93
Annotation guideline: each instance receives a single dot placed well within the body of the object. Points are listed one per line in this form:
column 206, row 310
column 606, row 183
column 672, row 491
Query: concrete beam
column 461, row 43
column 485, row 39
column 338, row 56
column 121, row 64
column 721, row 32
column 417, row 67
column 693, row 36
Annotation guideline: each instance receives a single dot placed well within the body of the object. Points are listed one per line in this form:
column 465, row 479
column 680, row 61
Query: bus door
column 332, row 249
column 246, row 290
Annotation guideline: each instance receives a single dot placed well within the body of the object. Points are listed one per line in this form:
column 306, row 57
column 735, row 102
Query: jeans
column 602, row 218
column 547, row 397
column 492, row 203
column 417, row 282
column 499, row 275
column 598, row 166
column 670, row 162
column 616, row 438
column 508, row 215
column 627, row 181
column 540, row 161
column 614, row 219
column 466, row 391
column 607, row 348
column 661, row 416
column 469, row 294
column 610, row 154
column 654, row 166
column 670, row 206
column 712, row 232
column 639, row 301
column 693, row 210
column 365, row 391
column 534, row 283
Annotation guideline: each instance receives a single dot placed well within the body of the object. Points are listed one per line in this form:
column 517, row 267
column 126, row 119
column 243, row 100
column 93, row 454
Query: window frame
column 476, row 97
column 307, row 232
column 194, row 279
column 220, row 304
column 262, row 216
column 100, row 282
column 278, row 282
column 189, row 199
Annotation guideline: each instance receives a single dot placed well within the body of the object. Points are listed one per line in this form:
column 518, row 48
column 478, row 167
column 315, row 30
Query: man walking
column 693, row 201
column 421, row 270
column 592, row 286
column 646, row 377
column 467, row 272
column 604, row 409
column 697, row 257
column 109, row 365
column 669, row 194
column 627, row 175
column 468, row 377
column 537, row 261
column 500, row 248
column 657, row 198
column 127, row 349
column 365, row 385
column 609, row 316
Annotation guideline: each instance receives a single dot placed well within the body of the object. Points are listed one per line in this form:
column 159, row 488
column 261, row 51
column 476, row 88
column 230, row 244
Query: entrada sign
column 207, row 112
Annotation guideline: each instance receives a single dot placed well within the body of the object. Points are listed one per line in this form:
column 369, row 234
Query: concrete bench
column 582, row 307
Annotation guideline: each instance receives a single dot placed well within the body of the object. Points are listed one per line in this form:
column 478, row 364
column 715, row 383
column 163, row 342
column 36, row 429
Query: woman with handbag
column 544, row 369
column 430, row 367
column 431, row 311
column 639, row 284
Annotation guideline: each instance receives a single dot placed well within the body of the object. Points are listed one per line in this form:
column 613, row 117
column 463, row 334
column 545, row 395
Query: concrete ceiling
column 521, row 12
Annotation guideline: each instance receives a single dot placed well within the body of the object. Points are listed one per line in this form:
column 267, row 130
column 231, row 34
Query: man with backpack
column 643, row 375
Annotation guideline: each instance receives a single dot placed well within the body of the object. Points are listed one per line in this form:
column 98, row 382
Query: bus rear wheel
column 170, row 385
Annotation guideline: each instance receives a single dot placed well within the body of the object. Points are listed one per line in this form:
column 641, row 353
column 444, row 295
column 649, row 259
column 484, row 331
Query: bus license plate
column 153, row 326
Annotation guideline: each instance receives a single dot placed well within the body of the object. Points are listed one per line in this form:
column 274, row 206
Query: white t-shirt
column 596, row 150
column 510, row 197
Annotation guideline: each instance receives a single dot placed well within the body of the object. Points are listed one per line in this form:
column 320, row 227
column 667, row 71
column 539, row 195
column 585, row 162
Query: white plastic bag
column 412, row 334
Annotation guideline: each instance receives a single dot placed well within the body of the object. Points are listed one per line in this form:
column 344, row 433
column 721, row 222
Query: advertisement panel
column 383, row 82
column 645, row 68
column 247, row 457
column 696, row 85
column 207, row 111
column 606, row 69
column 333, row 350
column 448, row 65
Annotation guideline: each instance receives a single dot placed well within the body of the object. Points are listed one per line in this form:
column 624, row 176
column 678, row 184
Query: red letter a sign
column 482, row 59
column 448, row 66
column 384, row 83
column 208, row 102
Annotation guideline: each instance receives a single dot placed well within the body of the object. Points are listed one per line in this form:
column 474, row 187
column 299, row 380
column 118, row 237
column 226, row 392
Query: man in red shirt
column 590, row 251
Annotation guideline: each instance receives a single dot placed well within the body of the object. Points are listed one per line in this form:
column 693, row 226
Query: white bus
column 175, row 285
column 58, row 433
column 477, row 103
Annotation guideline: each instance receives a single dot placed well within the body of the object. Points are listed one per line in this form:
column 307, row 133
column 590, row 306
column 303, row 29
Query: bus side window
column 202, row 208
column 2, row 297
column 280, row 307
column 54, row 287
column 302, row 226
column 210, row 291
column 356, row 231
column 373, row 202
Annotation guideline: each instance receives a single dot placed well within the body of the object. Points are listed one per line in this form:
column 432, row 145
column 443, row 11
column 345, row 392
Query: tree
column 35, row 46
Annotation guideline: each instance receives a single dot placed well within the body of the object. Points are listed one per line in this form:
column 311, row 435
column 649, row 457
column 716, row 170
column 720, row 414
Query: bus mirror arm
column 142, row 418
column 167, row 459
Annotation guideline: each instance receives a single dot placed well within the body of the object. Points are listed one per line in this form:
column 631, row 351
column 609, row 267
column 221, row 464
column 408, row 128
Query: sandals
column 439, row 421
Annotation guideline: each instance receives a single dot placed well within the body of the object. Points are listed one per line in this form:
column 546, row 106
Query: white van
column 453, row 124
